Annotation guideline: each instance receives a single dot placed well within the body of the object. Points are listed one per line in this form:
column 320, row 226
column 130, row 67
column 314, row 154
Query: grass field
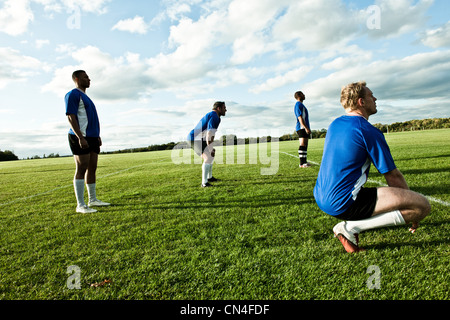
column 251, row 236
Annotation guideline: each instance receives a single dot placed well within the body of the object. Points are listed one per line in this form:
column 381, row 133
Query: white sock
column 91, row 192
column 205, row 171
column 210, row 171
column 78, row 185
column 388, row 219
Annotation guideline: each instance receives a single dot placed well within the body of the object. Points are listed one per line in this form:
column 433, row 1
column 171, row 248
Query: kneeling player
column 351, row 145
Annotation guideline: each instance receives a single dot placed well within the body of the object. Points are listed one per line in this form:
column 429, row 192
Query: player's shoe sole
column 348, row 240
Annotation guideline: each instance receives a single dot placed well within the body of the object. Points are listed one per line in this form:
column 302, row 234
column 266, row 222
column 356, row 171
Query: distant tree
column 7, row 156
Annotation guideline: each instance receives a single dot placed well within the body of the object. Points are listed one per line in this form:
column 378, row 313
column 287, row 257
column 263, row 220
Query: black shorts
column 302, row 134
column 198, row 146
column 363, row 207
column 74, row 143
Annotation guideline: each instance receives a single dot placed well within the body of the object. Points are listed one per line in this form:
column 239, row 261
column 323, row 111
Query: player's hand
column 414, row 227
column 213, row 152
column 83, row 143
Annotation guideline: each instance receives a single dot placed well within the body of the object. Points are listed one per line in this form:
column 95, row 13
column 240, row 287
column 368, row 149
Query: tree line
column 425, row 124
column 411, row 125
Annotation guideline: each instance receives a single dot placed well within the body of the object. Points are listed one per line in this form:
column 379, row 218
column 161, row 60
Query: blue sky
column 158, row 66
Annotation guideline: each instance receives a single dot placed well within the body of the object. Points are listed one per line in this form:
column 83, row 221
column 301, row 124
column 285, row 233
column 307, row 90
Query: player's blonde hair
column 351, row 93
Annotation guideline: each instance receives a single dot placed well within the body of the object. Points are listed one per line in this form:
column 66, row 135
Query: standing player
column 201, row 139
column 84, row 141
column 302, row 128
column 351, row 145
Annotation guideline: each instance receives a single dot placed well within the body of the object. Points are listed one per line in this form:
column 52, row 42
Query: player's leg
column 91, row 178
column 413, row 206
column 394, row 206
column 208, row 160
column 303, row 148
column 82, row 164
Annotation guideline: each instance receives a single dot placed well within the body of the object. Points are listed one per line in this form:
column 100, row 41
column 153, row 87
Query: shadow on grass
column 425, row 227
column 249, row 202
column 396, row 245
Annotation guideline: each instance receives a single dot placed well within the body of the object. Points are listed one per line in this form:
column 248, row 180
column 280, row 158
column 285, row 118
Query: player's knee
column 81, row 169
column 423, row 207
column 426, row 207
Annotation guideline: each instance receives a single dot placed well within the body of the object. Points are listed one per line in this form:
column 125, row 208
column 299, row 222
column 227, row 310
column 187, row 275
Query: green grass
column 252, row 236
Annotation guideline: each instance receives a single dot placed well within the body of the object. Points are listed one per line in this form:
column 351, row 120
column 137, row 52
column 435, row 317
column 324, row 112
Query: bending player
column 201, row 139
column 351, row 145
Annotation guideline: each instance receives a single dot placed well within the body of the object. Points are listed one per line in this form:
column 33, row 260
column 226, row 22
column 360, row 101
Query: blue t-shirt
column 351, row 145
column 209, row 122
column 85, row 111
column 301, row 111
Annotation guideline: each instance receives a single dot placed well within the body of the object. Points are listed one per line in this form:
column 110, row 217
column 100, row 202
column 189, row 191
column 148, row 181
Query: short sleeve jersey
column 301, row 111
column 209, row 122
column 79, row 104
column 351, row 145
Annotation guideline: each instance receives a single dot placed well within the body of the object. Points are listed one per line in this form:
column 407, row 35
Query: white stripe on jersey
column 362, row 180
column 82, row 117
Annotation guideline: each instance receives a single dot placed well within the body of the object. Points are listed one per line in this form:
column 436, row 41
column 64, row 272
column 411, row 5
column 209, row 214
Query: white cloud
column 15, row 17
column 437, row 38
column 347, row 57
column 400, row 16
column 91, row 6
column 17, row 67
column 292, row 76
column 113, row 79
column 418, row 76
column 135, row 25
column 192, row 44
column 39, row 43
column 317, row 25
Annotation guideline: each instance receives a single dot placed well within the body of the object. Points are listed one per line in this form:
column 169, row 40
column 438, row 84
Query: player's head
column 351, row 93
column 81, row 78
column 299, row 96
column 220, row 107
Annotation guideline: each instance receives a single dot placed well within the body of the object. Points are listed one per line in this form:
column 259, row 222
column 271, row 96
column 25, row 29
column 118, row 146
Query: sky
column 156, row 67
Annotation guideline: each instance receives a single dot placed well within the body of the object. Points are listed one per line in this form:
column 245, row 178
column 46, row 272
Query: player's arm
column 210, row 137
column 396, row 179
column 308, row 131
column 73, row 121
column 210, row 140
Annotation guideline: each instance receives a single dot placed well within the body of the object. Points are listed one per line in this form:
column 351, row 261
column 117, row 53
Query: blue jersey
column 301, row 111
column 79, row 104
column 351, row 145
column 209, row 122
